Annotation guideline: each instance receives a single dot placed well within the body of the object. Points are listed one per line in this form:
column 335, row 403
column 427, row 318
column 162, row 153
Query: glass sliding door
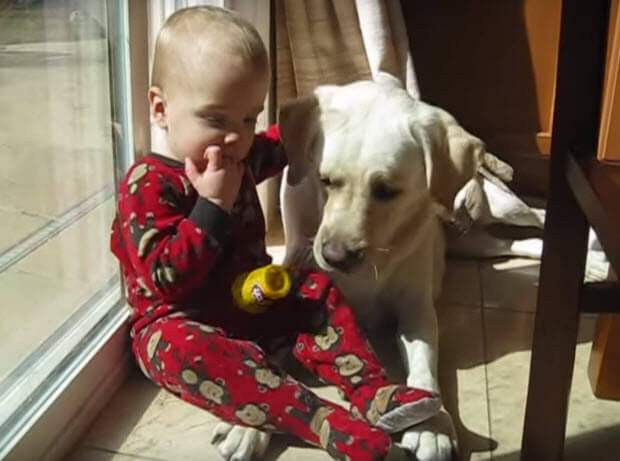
column 64, row 115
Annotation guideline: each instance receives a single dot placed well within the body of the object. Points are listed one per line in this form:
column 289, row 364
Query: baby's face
column 216, row 104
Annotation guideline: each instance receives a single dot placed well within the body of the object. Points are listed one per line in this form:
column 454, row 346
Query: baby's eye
column 217, row 121
column 250, row 121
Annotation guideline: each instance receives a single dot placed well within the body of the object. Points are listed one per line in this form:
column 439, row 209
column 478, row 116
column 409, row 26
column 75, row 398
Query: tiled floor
column 486, row 323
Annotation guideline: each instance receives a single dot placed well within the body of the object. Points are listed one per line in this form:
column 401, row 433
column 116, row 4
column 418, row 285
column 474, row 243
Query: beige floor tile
column 142, row 420
column 462, row 378
column 593, row 425
column 34, row 306
column 17, row 225
column 80, row 254
column 461, row 283
column 510, row 284
column 508, row 338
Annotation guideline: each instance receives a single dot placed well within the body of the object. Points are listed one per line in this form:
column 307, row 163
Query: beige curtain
column 338, row 41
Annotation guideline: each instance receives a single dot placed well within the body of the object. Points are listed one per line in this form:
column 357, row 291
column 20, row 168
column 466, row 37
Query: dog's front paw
column 238, row 443
column 432, row 440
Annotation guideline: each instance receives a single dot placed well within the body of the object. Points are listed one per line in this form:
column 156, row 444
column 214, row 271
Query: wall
column 492, row 64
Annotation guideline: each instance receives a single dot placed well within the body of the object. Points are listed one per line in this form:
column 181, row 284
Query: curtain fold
column 336, row 42
column 318, row 42
column 386, row 42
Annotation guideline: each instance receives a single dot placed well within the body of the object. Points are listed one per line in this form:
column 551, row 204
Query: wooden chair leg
column 555, row 330
column 575, row 121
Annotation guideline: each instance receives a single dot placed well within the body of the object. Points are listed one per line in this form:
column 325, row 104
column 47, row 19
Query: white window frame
column 93, row 359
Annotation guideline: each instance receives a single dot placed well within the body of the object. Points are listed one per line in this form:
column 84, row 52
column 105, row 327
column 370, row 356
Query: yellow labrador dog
column 362, row 151
column 373, row 174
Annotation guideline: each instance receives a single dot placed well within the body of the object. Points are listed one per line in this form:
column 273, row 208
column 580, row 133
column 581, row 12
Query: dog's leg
column 478, row 243
column 434, row 439
column 505, row 207
column 239, row 443
column 415, row 312
column 489, row 202
column 417, row 340
column 300, row 217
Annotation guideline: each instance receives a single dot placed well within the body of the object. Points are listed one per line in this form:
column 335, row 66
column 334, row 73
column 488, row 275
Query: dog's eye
column 384, row 192
column 329, row 183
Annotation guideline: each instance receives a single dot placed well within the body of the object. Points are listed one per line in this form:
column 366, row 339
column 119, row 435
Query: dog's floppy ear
column 299, row 129
column 469, row 155
column 452, row 156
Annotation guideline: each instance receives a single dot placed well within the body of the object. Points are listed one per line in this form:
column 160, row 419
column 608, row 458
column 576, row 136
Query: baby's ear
column 299, row 130
column 157, row 107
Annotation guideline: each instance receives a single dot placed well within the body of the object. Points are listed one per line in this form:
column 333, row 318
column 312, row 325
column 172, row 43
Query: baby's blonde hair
column 188, row 33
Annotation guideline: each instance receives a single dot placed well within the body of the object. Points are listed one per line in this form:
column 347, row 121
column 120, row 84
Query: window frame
column 56, row 415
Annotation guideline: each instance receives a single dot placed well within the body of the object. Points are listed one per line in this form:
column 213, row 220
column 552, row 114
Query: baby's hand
column 220, row 180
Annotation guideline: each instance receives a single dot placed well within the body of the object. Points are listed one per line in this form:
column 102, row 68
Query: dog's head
column 379, row 156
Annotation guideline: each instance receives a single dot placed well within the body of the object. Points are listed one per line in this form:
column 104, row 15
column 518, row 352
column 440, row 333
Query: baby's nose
column 231, row 138
column 232, row 145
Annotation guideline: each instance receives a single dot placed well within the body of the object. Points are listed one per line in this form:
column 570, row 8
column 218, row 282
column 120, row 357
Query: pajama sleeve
column 171, row 251
column 267, row 157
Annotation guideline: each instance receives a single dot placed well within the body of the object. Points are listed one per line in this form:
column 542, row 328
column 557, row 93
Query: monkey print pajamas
column 180, row 254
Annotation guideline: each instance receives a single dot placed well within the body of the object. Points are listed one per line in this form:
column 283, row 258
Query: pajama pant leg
column 232, row 379
column 341, row 355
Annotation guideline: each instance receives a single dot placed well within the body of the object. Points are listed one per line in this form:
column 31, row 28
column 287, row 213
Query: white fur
column 238, row 443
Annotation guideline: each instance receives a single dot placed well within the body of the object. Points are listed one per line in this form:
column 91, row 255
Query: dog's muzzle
column 341, row 256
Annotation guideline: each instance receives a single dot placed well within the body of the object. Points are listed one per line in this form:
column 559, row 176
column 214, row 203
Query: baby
column 189, row 221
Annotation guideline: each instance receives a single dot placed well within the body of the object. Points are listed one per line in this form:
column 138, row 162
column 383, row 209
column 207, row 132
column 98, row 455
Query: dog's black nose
column 340, row 256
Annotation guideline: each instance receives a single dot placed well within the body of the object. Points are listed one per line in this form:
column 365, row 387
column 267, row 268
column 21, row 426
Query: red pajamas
column 180, row 253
